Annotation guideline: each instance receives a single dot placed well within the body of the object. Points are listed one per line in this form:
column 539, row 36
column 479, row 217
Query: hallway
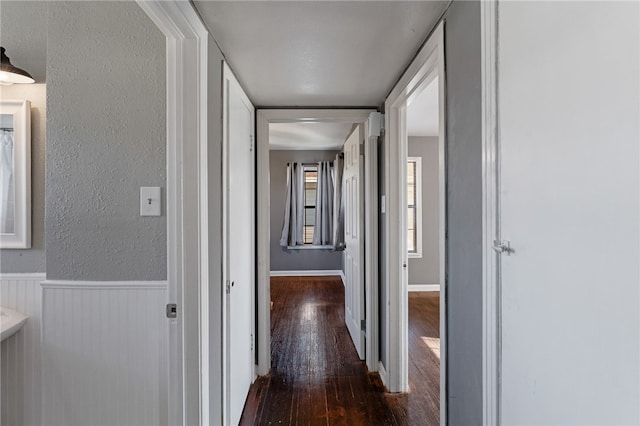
column 316, row 376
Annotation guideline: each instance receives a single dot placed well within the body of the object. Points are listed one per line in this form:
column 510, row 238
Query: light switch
column 150, row 201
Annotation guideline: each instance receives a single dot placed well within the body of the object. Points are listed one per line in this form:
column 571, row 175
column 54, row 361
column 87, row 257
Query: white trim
column 343, row 278
column 309, row 273
column 383, row 373
column 14, row 276
column 309, row 247
column 491, row 345
column 264, row 117
column 428, row 64
column 371, row 247
column 104, row 285
column 187, row 37
column 419, row 231
column 423, row 287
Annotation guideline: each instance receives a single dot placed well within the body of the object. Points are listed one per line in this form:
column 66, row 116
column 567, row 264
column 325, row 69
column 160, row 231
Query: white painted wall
column 569, row 99
column 104, row 353
column 20, row 354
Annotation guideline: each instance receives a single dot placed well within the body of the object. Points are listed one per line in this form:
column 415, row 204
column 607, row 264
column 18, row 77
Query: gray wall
column 281, row 258
column 382, row 252
column 214, row 123
column 23, row 33
column 106, row 138
column 426, row 270
column 464, row 214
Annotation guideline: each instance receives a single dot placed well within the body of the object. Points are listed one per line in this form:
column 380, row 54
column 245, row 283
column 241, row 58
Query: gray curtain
column 292, row 229
column 338, row 204
column 323, row 230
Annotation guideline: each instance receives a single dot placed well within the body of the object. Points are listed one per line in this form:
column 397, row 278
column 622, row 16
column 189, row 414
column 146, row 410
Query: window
column 310, row 187
column 414, row 206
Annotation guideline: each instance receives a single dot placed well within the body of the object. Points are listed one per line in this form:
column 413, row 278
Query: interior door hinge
column 363, row 325
column 228, row 287
column 252, row 342
column 362, row 149
column 251, row 143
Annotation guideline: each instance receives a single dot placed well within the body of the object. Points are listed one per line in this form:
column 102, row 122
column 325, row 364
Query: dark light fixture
column 10, row 74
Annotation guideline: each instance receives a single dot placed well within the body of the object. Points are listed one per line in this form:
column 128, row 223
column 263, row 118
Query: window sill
column 415, row 255
column 309, row 247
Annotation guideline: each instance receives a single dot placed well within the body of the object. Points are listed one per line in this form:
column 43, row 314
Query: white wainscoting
column 20, row 379
column 104, row 353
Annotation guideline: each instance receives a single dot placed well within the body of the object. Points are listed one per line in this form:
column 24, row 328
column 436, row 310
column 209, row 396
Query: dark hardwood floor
column 316, row 376
column 421, row 406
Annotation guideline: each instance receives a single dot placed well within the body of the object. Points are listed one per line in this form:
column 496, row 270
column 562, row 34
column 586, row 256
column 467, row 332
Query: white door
column 238, row 119
column 354, row 239
column 569, row 80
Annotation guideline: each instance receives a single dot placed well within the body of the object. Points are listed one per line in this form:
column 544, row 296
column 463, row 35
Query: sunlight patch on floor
column 433, row 343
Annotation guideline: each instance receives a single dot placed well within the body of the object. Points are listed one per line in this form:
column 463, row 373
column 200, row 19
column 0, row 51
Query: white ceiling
column 319, row 53
column 308, row 136
column 422, row 112
column 24, row 35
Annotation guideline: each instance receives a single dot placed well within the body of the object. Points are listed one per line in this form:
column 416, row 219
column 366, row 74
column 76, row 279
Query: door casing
column 428, row 64
column 356, row 116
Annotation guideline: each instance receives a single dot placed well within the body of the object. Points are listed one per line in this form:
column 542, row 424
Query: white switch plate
column 150, row 201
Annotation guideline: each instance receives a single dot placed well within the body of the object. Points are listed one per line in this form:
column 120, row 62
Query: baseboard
column 383, row 375
column 424, row 287
column 343, row 278
column 310, row 273
column 36, row 276
column 95, row 285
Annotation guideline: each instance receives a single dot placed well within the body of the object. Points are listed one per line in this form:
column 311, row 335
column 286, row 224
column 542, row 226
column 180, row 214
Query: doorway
column 265, row 118
column 423, row 77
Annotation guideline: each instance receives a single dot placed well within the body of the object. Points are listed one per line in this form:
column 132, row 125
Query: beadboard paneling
column 104, row 353
column 20, row 380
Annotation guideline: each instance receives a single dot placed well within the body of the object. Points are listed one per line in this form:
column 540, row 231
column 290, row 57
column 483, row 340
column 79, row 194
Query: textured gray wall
column 464, row 214
column 106, row 137
column 281, row 258
column 23, row 33
column 426, row 270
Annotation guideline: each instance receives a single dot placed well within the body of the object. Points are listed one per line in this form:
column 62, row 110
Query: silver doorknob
column 502, row 247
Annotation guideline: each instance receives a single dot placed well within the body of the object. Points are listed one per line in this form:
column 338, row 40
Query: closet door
column 569, row 206
column 239, row 267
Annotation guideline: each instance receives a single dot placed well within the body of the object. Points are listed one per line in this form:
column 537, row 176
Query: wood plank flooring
column 316, row 376
column 421, row 406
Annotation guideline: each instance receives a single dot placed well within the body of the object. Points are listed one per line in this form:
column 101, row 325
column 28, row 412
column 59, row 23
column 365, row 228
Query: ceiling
column 24, row 35
column 422, row 112
column 308, row 136
column 319, row 53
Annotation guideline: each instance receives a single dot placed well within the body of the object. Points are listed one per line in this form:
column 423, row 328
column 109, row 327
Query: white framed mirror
column 15, row 174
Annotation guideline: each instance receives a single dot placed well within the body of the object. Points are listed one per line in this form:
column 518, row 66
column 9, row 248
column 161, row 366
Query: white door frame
column 491, row 343
column 188, row 385
column 428, row 64
column 264, row 117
